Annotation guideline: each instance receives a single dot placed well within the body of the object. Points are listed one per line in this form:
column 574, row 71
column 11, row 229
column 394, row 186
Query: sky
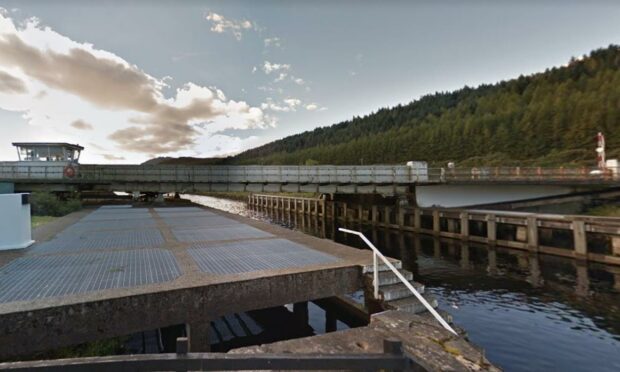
column 132, row 80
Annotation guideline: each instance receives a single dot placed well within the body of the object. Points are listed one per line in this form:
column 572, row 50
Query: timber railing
column 393, row 358
column 311, row 206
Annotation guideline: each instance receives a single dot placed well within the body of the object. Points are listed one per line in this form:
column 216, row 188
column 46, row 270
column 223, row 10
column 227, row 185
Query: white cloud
column 287, row 105
column 220, row 25
column 269, row 67
column 118, row 102
column 314, row 107
column 273, row 42
column 298, row 81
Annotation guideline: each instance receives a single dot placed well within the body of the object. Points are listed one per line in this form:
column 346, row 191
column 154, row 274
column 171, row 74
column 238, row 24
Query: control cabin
column 48, row 152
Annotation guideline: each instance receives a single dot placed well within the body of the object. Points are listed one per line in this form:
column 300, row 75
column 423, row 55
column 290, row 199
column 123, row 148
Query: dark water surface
column 529, row 312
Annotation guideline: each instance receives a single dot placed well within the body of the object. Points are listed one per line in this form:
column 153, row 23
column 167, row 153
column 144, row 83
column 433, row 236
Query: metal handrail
column 377, row 253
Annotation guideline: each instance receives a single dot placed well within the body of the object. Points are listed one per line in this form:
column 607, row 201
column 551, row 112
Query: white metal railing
column 377, row 253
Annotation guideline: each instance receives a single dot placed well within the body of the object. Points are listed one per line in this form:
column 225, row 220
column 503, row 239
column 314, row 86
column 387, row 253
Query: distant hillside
column 545, row 119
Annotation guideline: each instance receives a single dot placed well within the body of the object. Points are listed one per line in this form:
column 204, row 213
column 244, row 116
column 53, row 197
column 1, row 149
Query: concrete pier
column 114, row 271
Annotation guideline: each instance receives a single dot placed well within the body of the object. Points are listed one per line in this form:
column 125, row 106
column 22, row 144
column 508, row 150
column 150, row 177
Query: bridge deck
column 116, row 270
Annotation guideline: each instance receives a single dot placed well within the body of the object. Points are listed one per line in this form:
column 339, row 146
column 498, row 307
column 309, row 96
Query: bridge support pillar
column 580, row 239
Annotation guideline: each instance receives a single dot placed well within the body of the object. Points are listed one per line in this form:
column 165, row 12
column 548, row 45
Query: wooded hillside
column 549, row 118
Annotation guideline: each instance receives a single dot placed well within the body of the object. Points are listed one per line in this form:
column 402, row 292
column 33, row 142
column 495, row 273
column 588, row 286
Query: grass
column 605, row 211
column 41, row 220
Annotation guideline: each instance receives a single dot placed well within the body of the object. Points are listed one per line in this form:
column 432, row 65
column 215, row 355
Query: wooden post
column 375, row 214
column 491, row 229
column 436, row 225
column 360, row 213
column 417, row 219
column 532, row 233
column 464, row 225
column 386, row 217
column 451, row 224
column 303, row 206
column 323, row 213
column 344, row 211
column 580, row 239
column 401, row 217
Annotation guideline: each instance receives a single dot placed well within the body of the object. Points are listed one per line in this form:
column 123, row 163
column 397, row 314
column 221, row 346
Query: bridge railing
column 379, row 174
column 527, row 174
column 322, row 174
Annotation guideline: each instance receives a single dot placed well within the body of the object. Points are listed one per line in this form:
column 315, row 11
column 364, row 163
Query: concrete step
column 382, row 267
column 411, row 304
column 388, row 277
column 399, row 290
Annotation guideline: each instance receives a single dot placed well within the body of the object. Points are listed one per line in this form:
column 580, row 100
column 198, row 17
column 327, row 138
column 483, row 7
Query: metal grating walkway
column 94, row 240
column 247, row 256
column 238, row 231
column 200, row 221
column 34, row 277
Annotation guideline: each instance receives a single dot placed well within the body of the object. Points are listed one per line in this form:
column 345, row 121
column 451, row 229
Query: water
column 529, row 312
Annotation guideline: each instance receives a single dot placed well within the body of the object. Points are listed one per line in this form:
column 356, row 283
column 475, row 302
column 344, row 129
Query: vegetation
column 545, row 119
column 48, row 204
column 604, row 211
column 41, row 220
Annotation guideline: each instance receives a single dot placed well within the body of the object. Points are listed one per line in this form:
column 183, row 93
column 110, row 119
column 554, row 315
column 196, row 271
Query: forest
column 545, row 119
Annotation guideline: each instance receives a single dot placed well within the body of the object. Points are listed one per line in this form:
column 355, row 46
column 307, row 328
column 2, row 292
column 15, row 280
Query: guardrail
column 393, row 358
column 321, row 174
column 376, row 253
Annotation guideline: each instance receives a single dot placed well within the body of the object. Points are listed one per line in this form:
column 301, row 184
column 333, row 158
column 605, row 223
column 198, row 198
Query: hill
column 548, row 118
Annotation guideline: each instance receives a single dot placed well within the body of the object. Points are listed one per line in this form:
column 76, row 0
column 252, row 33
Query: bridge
column 387, row 179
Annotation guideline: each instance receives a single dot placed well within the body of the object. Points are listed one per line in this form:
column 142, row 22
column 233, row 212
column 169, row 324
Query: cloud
column 287, row 105
column 269, row 67
column 220, row 25
column 110, row 94
column 314, row 107
column 298, row 81
column 112, row 157
column 11, row 84
column 82, row 125
column 273, row 42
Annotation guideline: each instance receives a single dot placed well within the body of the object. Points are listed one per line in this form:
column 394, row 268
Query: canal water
column 528, row 312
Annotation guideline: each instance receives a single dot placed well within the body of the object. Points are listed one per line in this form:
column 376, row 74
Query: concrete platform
column 431, row 346
column 117, row 270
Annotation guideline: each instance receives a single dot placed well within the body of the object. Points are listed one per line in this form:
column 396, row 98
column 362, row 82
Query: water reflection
column 528, row 311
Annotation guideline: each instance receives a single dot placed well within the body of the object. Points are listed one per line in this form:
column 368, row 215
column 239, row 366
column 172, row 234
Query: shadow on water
column 529, row 312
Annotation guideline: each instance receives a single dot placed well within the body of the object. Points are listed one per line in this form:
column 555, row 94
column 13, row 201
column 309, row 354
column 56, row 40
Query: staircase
column 393, row 294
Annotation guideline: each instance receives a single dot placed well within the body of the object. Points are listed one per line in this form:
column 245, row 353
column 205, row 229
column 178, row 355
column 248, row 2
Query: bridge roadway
column 118, row 270
column 382, row 179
